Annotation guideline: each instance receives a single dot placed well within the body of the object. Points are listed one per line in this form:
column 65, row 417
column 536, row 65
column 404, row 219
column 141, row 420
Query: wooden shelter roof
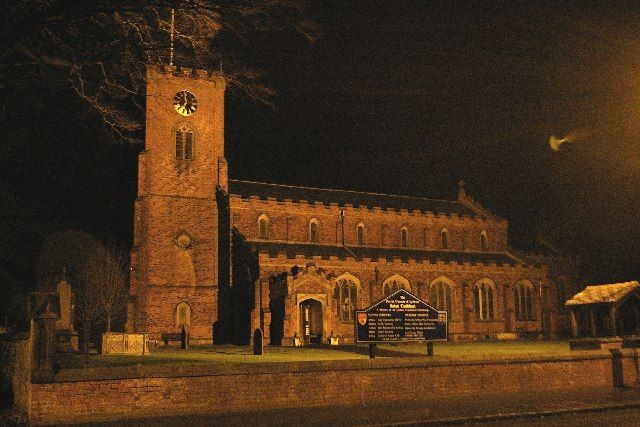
column 596, row 294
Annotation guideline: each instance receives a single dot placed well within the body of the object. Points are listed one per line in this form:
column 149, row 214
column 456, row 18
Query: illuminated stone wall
column 462, row 323
column 181, row 250
column 15, row 372
column 312, row 384
column 289, row 223
column 176, row 237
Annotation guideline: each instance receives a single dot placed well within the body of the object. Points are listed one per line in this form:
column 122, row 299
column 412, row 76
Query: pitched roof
column 610, row 293
column 326, row 196
column 309, row 250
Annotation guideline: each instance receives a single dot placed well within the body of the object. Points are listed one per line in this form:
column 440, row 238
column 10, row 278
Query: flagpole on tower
column 173, row 17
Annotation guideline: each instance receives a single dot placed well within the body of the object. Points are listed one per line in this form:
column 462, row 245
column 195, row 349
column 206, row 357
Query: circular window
column 184, row 241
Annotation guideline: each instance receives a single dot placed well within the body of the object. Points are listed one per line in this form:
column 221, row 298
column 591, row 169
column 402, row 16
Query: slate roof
column 325, row 251
column 246, row 189
column 610, row 293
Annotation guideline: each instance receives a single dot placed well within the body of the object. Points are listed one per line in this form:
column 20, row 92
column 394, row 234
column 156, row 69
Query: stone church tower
column 181, row 227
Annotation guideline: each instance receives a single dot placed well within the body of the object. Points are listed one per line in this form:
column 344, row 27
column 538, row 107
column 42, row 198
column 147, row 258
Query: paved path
column 491, row 409
column 612, row 417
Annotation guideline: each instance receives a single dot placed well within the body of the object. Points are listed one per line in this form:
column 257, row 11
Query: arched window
column 314, row 230
column 345, row 295
column 484, row 295
column 444, row 238
column 263, row 226
column 360, row 233
column 404, row 237
column 183, row 314
column 393, row 284
column 441, row 294
column 484, row 246
column 185, row 141
column 523, row 300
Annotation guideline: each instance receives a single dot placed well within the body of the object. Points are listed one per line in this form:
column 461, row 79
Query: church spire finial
column 461, row 192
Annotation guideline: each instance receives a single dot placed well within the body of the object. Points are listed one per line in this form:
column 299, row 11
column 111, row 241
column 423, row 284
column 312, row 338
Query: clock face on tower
column 185, row 103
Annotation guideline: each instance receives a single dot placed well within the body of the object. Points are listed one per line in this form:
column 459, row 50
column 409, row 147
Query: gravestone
column 120, row 343
column 183, row 338
column 63, row 288
column 66, row 336
column 44, row 310
column 257, row 342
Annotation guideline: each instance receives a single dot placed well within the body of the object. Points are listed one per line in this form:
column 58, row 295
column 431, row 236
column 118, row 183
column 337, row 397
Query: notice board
column 400, row 317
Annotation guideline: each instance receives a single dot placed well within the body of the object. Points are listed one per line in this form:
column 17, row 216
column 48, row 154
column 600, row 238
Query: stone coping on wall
column 172, row 370
column 275, row 248
column 297, row 386
column 302, row 257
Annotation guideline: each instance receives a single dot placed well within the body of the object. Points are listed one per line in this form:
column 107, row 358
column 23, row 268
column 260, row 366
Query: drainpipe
column 261, row 307
column 542, row 310
column 343, row 245
column 286, row 228
column 342, row 224
column 371, row 285
column 465, row 308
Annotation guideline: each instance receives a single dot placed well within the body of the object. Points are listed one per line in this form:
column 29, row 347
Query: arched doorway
column 311, row 321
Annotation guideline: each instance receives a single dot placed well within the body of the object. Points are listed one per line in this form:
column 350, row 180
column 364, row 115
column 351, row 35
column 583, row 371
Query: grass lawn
column 210, row 355
column 227, row 354
column 472, row 349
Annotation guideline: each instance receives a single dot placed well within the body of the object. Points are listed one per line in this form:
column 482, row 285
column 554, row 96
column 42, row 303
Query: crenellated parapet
column 287, row 203
column 383, row 218
column 194, row 73
column 504, row 264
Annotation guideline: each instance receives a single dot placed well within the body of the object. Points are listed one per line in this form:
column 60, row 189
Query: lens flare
column 555, row 142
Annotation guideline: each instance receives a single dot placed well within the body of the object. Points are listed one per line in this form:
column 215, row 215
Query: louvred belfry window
column 185, row 141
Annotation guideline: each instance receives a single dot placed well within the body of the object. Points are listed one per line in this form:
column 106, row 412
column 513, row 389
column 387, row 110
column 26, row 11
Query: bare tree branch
column 100, row 48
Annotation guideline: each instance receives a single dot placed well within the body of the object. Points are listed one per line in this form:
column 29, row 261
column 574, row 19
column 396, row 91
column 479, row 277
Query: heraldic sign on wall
column 400, row 317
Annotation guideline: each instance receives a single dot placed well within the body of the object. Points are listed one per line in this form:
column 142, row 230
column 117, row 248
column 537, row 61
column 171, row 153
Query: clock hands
column 185, row 103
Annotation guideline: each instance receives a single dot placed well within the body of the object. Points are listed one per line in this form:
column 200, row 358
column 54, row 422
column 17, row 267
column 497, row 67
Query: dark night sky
column 409, row 97
column 401, row 97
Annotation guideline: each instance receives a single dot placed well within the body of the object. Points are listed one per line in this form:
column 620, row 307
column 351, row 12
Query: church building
column 318, row 254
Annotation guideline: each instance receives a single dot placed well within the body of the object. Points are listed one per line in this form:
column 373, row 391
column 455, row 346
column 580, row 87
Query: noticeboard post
column 400, row 317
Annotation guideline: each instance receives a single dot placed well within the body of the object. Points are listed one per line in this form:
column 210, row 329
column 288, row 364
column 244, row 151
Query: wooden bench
column 173, row 336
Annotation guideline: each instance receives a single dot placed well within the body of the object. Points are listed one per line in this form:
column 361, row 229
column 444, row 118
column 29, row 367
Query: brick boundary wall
column 15, row 370
column 293, row 385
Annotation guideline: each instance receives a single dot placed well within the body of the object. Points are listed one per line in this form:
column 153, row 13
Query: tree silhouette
column 100, row 48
